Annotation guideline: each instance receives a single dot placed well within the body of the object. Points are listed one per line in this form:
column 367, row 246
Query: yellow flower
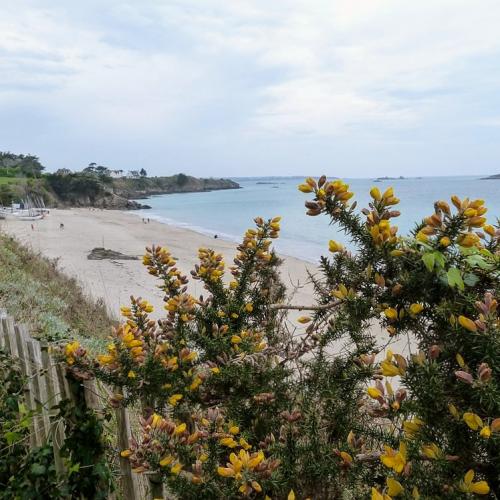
column 467, row 323
column 488, row 228
column 396, row 253
column 291, row 495
column 244, row 444
column 238, row 463
column 105, row 359
column 394, row 487
column 234, row 429
column 256, row 486
column 166, row 460
column 174, row 399
column 303, row 319
column 305, row 188
column 249, row 308
column 156, row 420
column 346, row 457
column 376, row 495
column 334, row 246
column 391, row 313
column 236, row 339
column 180, row 429
column 388, row 369
column 195, row 384
column 131, row 374
column 416, row 309
column 229, row 442
column 431, row 451
column 485, row 432
column 412, row 427
column 176, row 468
column 375, row 193
column 453, row 410
column 479, row 488
column 393, row 459
column 445, row 241
column 472, row 420
column 374, row 393
column 125, row 453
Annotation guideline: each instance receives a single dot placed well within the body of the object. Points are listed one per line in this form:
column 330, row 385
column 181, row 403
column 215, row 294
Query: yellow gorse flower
column 467, row 323
column 174, row 399
column 393, row 459
column 468, row 486
column 412, row 427
column 472, row 420
column 394, row 488
column 241, row 463
column 374, row 393
column 391, row 313
column 376, row 495
column 416, row 309
column 335, row 246
column 432, row 451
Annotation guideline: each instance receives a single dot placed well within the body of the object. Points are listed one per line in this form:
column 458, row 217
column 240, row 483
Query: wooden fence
column 46, row 387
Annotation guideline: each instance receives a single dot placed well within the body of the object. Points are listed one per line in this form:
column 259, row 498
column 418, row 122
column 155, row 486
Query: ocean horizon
column 228, row 213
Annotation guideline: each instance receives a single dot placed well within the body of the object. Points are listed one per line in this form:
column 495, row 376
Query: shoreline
column 114, row 281
column 209, row 233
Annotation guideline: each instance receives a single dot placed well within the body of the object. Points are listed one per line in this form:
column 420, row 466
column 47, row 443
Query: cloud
column 202, row 82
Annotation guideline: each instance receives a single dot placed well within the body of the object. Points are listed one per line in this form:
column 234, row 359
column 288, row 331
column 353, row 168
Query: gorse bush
column 238, row 404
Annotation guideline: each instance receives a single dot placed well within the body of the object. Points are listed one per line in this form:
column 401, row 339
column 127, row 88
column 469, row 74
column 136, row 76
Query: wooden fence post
column 123, row 425
column 29, row 389
column 53, row 397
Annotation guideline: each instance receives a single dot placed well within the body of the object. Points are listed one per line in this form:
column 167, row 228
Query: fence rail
column 46, row 387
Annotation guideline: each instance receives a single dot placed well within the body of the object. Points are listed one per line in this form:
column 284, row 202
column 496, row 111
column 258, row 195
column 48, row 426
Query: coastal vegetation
column 54, row 306
column 23, row 176
column 236, row 403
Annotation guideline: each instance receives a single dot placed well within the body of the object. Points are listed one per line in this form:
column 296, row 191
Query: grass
column 54, row 306
column 11, row 180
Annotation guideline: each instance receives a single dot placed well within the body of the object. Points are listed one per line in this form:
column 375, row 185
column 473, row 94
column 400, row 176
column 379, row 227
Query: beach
column 114, row 281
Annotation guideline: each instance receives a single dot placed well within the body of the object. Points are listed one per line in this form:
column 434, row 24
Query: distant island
column 23, row 176
column 491, row 177
column 380, row 179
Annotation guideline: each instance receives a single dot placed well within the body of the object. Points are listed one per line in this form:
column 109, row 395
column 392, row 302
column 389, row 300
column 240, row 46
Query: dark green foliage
column 182, row 179
column 20, row 165
column 69, row 188
column 89, row 474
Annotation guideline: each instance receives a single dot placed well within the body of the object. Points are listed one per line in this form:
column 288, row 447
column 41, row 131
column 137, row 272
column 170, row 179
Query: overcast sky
column 230, row 87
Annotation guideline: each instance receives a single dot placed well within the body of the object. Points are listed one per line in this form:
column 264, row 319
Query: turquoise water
column 229, row 213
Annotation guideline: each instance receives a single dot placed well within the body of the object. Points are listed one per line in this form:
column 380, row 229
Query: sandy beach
column 115, row 280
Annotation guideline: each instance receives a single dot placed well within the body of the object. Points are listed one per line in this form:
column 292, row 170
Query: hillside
column 35, row 292
column 23, row 175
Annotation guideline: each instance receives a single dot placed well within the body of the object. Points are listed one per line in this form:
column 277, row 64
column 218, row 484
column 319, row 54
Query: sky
column 350, row 88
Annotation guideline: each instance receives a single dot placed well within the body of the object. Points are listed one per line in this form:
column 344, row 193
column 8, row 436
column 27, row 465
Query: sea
column 228, row 213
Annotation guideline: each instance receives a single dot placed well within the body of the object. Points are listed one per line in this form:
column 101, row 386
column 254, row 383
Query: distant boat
column 30, row 217
column 28, row 210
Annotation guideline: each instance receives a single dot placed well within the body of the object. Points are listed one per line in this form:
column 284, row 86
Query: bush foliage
column 236, row 403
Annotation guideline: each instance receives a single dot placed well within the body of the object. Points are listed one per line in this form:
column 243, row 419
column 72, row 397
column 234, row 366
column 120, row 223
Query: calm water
column 229, row 213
